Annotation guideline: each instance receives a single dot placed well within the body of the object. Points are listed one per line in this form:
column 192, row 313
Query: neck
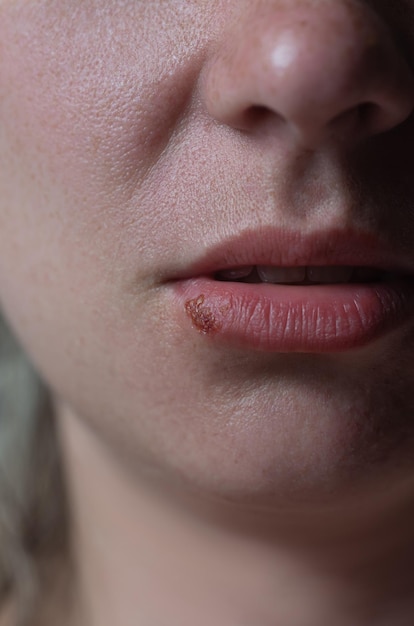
column 146, row 555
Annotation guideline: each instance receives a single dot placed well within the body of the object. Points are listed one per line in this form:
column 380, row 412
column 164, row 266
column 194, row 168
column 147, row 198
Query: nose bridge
column 310, row 64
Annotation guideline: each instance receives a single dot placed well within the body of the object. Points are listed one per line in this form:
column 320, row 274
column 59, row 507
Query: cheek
column 89, row 96
column 95, row 91
column 86, row 107
column 89, row 99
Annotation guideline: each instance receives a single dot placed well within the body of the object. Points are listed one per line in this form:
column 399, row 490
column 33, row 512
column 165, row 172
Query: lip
column 292, row 318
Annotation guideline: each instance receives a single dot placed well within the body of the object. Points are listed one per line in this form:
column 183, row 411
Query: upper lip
column 289, row 248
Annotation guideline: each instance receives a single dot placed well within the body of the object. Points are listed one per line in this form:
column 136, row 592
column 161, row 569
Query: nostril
column 368, row 111
column 359, row 121
column 356, row 120
column 370, row 116
column 257, row 112
column 259, row 115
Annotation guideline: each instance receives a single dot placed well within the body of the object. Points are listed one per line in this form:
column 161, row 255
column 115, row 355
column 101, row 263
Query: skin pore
column 210, row 484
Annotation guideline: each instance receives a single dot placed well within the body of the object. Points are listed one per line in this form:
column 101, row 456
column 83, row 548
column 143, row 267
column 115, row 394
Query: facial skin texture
column 125, row 153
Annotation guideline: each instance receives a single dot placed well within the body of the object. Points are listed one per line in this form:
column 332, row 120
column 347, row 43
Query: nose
column 316, row 69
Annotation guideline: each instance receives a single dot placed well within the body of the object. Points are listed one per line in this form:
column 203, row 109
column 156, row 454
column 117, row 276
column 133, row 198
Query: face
column 149, row 148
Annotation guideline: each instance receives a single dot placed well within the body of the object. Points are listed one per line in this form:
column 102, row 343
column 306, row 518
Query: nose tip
column 317, row 69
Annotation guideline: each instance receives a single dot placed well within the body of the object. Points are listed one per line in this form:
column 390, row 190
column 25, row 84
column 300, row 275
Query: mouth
column 303, row 275
column 285, row 292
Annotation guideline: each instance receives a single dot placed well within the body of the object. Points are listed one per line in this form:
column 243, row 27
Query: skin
column 226, row 486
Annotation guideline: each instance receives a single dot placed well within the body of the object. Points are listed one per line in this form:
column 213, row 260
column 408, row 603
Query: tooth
column 271, row 274
column 329, row 274
column 235, row 273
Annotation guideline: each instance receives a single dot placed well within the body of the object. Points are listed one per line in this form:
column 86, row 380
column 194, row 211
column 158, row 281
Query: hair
column 33, row 519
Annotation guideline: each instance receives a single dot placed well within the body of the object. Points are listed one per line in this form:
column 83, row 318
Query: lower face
column 103, row 202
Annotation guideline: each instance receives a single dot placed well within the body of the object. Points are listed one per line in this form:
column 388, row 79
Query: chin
column 299, row 442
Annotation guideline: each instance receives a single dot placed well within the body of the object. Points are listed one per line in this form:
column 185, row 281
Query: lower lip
column 281, row 318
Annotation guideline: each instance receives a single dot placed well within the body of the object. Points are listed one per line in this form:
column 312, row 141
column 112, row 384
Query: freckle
column 201, row 315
